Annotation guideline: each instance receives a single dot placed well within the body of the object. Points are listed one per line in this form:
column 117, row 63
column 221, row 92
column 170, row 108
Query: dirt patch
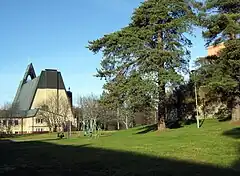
column 236, row 123
column 159, row 132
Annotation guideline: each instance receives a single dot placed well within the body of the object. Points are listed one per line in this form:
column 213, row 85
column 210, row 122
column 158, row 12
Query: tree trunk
column 69, row 128
column 161, row 87
column 178, row 107
column 155, row 117
column 236, row 109
column 161, row 108
column 105, row 125
column 118, row 125
column 118, row 115
column 126, row 122
column 55, row 128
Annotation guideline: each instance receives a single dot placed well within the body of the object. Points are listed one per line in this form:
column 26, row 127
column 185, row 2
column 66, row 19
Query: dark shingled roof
column 51, row 79
column 19, row 113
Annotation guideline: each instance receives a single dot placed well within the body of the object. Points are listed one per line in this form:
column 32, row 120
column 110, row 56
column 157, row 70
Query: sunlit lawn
column 171, row 152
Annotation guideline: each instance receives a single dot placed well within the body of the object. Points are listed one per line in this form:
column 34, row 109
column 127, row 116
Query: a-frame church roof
column 48, row 79
column 26, row 89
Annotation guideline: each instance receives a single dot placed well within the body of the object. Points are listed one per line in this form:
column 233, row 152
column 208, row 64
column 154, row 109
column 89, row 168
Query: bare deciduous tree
column 56, row 112
column 8, row 112
column 78, row 116
column 91, row 110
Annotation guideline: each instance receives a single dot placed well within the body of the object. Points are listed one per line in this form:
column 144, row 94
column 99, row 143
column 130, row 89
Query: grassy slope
column 205, row 145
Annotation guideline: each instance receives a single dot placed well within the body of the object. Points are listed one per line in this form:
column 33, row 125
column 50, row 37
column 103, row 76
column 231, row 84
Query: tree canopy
column 221, row 72
column 154, row 45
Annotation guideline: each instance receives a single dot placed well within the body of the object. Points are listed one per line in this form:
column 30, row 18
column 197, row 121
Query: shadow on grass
column 150, row 128
column 234, row 133
column 21, row 135
column 147, row 129
column 41, row 158
column 201, row 122
column 225, row 119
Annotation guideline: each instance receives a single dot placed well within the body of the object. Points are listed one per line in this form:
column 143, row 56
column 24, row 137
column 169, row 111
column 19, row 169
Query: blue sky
column 54, row 34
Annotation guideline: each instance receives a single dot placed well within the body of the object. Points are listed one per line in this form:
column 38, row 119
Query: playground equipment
column 91, row 128
column 60, row 135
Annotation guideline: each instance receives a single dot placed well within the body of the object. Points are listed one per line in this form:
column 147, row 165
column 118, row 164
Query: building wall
column 37, row 124
column 25, row 125
column 214, row 50
column 49, row 97
column 6, row 126
column 42, row 95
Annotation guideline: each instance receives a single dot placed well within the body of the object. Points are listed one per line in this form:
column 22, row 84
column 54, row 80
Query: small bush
column 223, row 114
column 60, row 135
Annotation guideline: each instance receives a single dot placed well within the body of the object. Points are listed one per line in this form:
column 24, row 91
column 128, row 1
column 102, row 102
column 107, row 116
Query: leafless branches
column 56, row 112
column 7, row 112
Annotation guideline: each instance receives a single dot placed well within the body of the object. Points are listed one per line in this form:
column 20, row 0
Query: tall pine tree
column 153, row 44
column 221, row 72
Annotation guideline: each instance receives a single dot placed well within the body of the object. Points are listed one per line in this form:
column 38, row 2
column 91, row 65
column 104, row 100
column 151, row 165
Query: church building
column 41, row 104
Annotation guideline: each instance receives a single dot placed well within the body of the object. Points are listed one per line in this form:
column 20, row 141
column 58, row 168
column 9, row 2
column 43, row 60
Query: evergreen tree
column 221, row 72
column 153, row 44
column 221, row 21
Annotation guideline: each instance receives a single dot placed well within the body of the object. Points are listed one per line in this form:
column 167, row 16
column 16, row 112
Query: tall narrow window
column 10, row 122
column 38, row 121
column 16, row 122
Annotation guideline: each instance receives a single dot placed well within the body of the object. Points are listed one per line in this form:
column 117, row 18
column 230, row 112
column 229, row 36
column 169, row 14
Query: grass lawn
column 214, row 149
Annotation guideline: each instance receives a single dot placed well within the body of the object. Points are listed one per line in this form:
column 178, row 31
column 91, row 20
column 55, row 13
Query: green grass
column 212, row 149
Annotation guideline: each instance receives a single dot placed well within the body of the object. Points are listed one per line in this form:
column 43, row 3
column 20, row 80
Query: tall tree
column 154, row 43
column 221, row 72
